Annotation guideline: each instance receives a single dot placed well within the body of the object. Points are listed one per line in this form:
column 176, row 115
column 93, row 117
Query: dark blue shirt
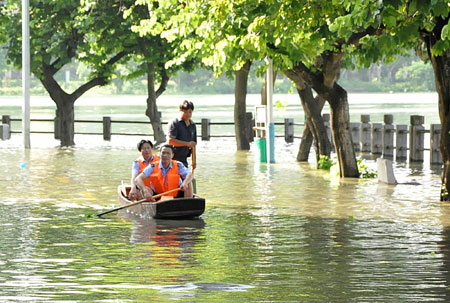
column 180, row 131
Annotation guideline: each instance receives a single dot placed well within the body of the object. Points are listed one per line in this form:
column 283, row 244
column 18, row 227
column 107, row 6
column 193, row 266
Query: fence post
column 388, row 136
column 5, row 131
column 206, row 129
column 289, row 130
column 5, row 128
column 107, row 128
column 376, row 140
column 326, row 122
column 6, row 119
column 416, row 138
column 249, row 126
column 401, row 141
column 435, row 137
column 355, row 129
column 365, row 133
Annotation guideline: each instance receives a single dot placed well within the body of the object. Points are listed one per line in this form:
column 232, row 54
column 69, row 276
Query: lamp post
column 26, row 73
column 270, row 126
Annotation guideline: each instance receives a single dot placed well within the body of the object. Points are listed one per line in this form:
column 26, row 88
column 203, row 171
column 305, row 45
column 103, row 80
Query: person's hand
column 132, row 195
column 148, row 195
column 183, row 186
column 191, row 144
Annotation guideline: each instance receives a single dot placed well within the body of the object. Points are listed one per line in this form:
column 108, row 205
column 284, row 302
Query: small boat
column 177, row 208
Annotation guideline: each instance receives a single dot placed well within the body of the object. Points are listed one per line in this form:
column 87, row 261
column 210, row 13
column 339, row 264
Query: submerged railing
column 374, row 138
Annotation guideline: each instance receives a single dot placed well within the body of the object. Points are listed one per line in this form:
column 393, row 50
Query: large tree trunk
column 340, row 127
column 313, row 108
column 240, row 94
column 66, row 117
column 64, row 108
column 324, row 83
column 314, row 125
column 64, row 101
column 305, row 144
column 441, row 67
column 152, row 109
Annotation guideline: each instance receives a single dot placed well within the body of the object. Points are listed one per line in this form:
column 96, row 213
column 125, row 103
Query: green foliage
column 418, row 75
column 281, row 105
column 325, row 162
column 364, row 170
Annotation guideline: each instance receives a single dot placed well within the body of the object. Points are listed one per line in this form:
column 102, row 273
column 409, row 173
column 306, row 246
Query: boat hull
column 178, row 208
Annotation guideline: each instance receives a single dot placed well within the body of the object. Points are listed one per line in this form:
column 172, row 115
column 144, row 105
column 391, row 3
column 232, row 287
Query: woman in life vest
column 147, row 157
column 165, row 175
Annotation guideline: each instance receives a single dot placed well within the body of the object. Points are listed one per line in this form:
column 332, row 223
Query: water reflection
column 279, row 232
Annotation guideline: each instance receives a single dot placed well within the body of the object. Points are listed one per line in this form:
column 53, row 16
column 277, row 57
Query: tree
column 298, row 36
column 148, row 22
column 405, row 24
column 63, row 31
column 212, row 34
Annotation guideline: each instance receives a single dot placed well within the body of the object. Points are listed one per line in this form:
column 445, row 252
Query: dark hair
column 142, row 142
column 168, row 146
column 186, row 105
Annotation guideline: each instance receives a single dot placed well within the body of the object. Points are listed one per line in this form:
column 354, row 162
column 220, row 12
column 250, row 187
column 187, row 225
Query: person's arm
column 134, row 173
column 185, row 184
column 186, row 175
column 139, row 181
column 179, row 143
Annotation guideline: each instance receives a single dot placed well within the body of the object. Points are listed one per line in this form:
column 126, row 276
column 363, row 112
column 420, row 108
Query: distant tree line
column 407, row 74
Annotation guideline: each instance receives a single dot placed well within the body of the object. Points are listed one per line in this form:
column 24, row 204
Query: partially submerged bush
column 326, row 163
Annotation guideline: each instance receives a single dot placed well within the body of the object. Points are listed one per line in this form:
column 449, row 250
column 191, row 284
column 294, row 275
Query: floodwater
column 283, row 232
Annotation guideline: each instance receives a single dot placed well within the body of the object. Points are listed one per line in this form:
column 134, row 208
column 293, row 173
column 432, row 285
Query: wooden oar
column 194, row 158
column 136, row 203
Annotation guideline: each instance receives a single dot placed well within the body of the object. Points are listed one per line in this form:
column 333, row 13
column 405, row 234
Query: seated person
column 147, row 157
column 165, row 175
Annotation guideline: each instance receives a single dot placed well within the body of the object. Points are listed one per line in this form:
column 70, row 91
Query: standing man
column 183, row 134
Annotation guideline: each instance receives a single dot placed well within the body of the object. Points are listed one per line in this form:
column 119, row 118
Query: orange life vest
column 143, row 165
column 172, row 179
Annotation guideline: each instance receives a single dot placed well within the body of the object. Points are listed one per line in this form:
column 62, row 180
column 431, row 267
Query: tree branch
column 100, row 81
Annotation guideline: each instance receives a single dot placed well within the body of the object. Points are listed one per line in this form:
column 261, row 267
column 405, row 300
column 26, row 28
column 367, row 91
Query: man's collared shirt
column 183, row 171
column 135, row 168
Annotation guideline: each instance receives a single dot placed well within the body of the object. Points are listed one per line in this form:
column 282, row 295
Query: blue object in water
column 23, row 165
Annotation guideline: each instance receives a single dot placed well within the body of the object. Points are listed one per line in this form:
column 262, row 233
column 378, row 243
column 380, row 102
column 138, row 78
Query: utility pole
column 26, row 73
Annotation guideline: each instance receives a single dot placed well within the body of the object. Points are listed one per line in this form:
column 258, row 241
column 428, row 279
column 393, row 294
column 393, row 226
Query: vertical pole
column 355, row 127
column 5, row 131
column 206, row 132
column 401, row 142
column 26, row 72
column 270, row 142
column 388, row 136
column 375, row 142
column 6, row 119
column 365, row 133
column 289, row 130
column 435, row 138
column 107, row 128
column 416, row 138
